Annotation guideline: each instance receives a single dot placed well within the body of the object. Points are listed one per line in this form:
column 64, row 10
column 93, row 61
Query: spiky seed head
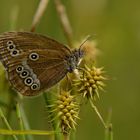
column 66, row 109
column 91, row 80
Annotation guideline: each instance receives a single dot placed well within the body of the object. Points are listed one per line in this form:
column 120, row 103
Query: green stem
column 109, row 130
column 20, row 120
column 98, row 113
column 25, row 132
column 11, row 103
column 25, row 122
column 6, row 123
column 47, row 97
column 66, row 137
column 72, row 135
column 109, row 133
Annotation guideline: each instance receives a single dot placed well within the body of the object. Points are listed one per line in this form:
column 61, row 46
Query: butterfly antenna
column 86, row 39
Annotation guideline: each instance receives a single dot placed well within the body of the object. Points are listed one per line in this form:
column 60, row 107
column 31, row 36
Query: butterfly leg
column 69, row 82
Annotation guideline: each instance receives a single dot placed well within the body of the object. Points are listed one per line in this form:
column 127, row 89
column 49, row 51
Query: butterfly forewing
column 29, row 41
column 33, row 62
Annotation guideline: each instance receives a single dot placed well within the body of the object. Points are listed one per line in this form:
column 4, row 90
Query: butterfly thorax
column 74, row 59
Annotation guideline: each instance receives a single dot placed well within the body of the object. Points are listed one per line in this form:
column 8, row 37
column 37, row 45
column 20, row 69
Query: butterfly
column 34, row 62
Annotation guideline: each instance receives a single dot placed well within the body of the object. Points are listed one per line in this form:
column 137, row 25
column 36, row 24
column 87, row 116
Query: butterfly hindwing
column 45, row 78
column 33, row 62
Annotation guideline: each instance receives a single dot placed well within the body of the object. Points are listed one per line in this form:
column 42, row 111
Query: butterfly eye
column 34, row 86
column 15, row 52
column 10, row 42
column 11, row 47
column 24, row 74
column 28, row 81
column 34, row 56
column 19, row 69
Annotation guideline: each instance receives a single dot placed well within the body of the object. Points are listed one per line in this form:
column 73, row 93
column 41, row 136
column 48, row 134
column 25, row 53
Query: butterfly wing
column 44, row 76
column 27, row 41
column 29, row 76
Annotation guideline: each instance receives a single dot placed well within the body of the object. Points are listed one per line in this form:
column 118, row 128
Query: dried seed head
column 66, row 110
column 90, row 49
column 91, row 80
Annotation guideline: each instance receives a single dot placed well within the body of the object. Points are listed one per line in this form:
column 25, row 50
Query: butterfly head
column 78, row 54
column 74, row 59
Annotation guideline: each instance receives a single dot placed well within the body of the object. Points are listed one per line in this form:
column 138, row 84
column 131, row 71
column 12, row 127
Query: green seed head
column 91, row 80
column 66, row 110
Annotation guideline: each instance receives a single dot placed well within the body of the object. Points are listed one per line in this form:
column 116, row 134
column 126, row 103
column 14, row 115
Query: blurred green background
column 116, row 24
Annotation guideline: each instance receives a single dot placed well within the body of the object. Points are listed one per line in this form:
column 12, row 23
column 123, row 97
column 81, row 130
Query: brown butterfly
column 35, row 62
